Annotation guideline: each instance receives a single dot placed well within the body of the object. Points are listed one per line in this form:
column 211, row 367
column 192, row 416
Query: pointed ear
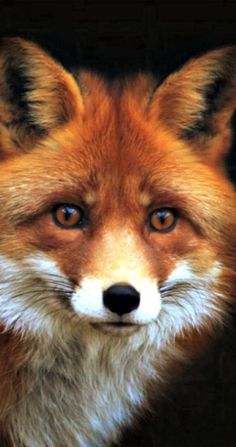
column 36, row 95
column 196, row 103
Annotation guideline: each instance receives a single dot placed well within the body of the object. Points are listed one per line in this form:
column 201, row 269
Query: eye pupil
column 68, row 212
column 162, row 217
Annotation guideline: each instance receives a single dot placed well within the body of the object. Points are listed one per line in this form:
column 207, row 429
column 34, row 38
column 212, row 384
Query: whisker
column 18, row 282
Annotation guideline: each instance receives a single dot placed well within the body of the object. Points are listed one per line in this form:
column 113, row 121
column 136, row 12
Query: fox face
column 117, row 226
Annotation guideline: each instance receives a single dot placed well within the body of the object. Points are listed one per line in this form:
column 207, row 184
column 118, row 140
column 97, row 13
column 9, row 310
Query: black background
column 119, row 36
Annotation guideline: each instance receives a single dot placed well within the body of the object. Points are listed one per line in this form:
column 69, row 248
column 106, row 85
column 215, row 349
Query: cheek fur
column 191, row 300
column 34, row 295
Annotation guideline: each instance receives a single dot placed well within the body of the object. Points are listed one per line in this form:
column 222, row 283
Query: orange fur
column 119, row 150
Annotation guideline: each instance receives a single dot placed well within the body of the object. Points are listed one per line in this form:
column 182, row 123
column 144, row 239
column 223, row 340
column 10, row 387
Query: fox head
column 117, row 216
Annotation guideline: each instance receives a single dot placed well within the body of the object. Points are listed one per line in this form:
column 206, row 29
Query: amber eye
column 68, row 216
column 163, row 220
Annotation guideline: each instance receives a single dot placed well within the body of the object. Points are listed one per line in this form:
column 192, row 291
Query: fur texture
column 71, row 374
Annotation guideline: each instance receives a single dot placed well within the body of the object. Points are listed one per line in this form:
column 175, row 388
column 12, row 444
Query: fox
column 117, row 246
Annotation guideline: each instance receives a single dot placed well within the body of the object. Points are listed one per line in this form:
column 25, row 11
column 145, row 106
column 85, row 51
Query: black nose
column 121, row 299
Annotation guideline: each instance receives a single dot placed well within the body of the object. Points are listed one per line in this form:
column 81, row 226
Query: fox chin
column 117, row 247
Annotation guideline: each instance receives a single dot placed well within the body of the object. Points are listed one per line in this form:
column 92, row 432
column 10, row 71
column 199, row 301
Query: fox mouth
column 118, row 328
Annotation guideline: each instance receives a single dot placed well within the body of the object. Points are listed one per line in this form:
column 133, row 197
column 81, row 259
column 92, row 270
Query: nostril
column 121, row 299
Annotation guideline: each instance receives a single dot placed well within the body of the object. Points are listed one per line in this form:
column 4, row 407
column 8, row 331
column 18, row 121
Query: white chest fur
column 82, row 397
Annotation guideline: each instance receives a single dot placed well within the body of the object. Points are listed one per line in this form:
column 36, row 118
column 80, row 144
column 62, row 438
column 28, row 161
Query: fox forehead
column 110, row 139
